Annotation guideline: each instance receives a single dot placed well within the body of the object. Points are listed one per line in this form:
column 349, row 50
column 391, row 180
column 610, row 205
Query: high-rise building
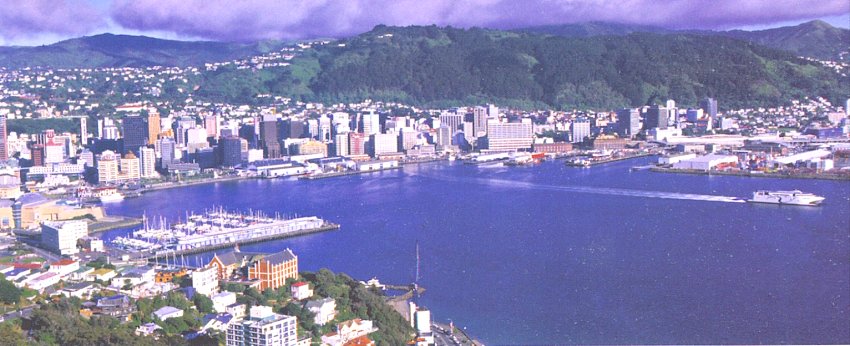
column 130, row 167
column 54, row 151
column 293, row 128
column 628, row 121
column 263, row 327
column 510, row 136
column 407, row 139
column 269, row 136
column 231, row 151
column 324, row 128
column 656, row 117
column 356, row 143
column 453, row 120
column 371, row 123
column 84, row 131
column 341, row 144
column 580, row 129
column 479, row 116
column 154, row 126
column 135, row 133
column 37, row 154
column 211, row 125
column 444, row 136
column 205, row 280
column 383, row 143
column 147, row 162
column 107, row 167
column 166, row 152
column 4, row 142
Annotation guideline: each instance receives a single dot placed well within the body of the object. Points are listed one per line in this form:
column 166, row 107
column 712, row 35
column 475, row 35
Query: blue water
column 555, row 254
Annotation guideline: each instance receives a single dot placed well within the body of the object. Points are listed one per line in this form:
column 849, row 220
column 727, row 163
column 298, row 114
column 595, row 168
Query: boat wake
column 596, row 190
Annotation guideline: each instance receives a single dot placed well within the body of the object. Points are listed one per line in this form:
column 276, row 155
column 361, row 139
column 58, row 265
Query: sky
column 37, row 22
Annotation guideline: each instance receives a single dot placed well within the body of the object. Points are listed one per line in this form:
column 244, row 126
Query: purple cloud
column 258, row 19
column 34, row 17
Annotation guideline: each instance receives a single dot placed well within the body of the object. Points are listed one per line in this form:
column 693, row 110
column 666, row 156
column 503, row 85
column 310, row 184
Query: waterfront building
column 231, row 151
column 580, row 129
column 263, row 327
column 61, row 236
column 454, row 121
column 269, row 138
column 147, row 163
column 205, row 280
column 356, row 143
column 135, row 133
column 107, row 167
column 310, row 148
column 628, row 122
column 605, row 142
column 381, row 143
column 130, row 167
column 273, row 270
column 167, row 148
column 509, row 136
column 553, row 148
column 420, row 320
column 656, row 117
column 408, row 138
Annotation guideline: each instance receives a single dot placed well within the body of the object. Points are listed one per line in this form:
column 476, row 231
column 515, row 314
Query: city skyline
column 45, row 22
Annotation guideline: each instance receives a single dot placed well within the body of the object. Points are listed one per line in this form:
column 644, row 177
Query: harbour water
column 557, row 254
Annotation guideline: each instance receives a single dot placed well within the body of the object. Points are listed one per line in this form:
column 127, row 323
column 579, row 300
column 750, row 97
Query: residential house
column 64, row 267
column 166, row 312
column 205, row 280
column 324, row 309
column 222, row 300
column 147, row 329
column 300, row 290
column 80, row 290
column 118, row 306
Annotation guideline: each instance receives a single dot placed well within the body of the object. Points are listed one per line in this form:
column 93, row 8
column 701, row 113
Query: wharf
column 173, row 185
column 200, row 249
column 341, row 174
column 112, row 222
column 756, row 174
column 615, row 159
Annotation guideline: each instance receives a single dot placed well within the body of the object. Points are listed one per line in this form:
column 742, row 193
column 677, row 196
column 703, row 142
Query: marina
column 216, row 229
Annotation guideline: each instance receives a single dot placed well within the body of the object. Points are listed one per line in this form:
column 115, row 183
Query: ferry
column 112, row 197
column 795, row 197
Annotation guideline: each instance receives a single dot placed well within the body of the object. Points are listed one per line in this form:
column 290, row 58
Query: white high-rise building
column 147, row 162
column 509, row 136
column 263, row 327
column 382, row 143
column 341, row 144
column 61, row 236
column 371, row 123
column 580, row 129
column 205, row 280
column 324, row 128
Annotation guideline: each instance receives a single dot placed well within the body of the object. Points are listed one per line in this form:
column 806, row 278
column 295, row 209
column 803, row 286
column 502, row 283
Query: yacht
column 795, row 197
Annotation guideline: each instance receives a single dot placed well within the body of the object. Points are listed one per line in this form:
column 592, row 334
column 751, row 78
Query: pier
column 205, row 248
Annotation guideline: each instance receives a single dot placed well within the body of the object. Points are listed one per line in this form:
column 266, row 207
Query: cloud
column 30, row 18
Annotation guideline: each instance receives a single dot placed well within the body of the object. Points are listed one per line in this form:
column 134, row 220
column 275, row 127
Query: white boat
column 111, row 197
column 795, row 197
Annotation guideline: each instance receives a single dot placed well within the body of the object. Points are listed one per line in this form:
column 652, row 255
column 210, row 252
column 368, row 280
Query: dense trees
column 9, row 294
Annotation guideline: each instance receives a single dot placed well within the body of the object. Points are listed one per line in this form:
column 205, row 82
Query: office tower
column 166, row 151
column 371, row 123
column 107, row 167
column 356, row 143
column 37, row 154
column 231, row 151
column 211, row 125
column 453, row 120
column 4, row 140
column 341, row 144
column 709, row 106
column 135, row 133
column 61, row 236
column 656, row 117
column 84, row 132
column 408, row 138
column 292, row 128
column 147, row 162
column 672, row 113
column 580, row 129
column 492, row 111
column 263, row 327
column 130, row 167
column 479, row 117
column 510, row 136
column 154, row 126
column 383, row 143
column 444, row 136
column 246, row 132
column 628, row 121
column 324, row 128
column 694, row 115
column 269, row 139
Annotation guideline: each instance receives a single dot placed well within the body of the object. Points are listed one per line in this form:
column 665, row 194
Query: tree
column 203, row 303
column 11, row 334
column 9, row 294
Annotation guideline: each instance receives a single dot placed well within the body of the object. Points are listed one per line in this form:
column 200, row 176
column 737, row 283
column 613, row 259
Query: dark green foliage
column 203, row 303
column 446, row 66
column 100, row 262
column 9, row 294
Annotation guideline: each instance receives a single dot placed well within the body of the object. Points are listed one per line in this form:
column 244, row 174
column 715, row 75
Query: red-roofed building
column 301, row 290
column 361, row 341
column 64, row 266
column 273, row 270
column 30, row 266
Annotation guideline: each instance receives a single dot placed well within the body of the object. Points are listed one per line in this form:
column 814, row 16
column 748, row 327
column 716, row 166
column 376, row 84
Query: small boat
column 111, row 197
column 794, row 197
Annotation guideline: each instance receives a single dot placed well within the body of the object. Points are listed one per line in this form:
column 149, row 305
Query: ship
column 795, row 197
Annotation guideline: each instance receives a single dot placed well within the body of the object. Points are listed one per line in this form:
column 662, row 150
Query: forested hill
column 108, row 50
column 437, row 66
